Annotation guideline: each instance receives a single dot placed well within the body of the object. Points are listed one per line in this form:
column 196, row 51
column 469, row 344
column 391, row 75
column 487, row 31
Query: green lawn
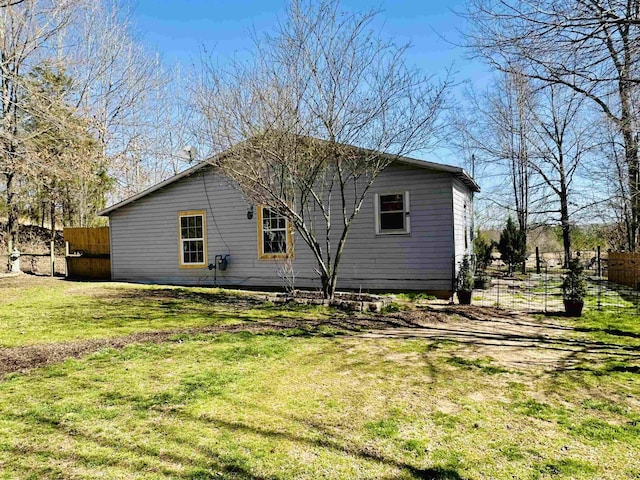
column 297, row 403
column 41, row 310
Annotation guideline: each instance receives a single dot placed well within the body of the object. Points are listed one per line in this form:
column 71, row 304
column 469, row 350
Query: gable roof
column 457, row 172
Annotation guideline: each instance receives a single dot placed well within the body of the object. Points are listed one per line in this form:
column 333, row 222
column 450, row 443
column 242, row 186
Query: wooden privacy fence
column 88, row 253
column 624, row 268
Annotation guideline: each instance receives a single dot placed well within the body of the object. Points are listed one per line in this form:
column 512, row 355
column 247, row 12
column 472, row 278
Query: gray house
column 413, row 228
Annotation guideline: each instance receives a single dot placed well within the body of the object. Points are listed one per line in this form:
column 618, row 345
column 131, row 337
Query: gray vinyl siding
column 144, row 237
column 461, row 197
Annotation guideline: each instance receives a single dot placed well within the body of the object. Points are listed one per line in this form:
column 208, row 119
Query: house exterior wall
column 462, row 220
column 144, row 237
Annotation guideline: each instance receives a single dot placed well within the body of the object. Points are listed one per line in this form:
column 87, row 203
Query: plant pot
column 464, row 297
column 573, row 308
column 482, row 283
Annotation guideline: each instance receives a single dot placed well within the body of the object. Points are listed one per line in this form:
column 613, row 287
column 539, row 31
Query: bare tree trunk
column 52, row 213
column 566, row 231
column 43, row 213
column 631, row 157
column 12, row 214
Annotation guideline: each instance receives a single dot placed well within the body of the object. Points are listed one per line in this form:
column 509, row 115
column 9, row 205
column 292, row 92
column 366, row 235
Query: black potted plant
column 465, row 280
column 482, row 249
column 574, row 288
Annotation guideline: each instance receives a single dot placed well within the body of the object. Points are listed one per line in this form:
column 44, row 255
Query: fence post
column 537, row 260
column 53, row 258
column 599, row 265
column 66, row 259
column 546, row 288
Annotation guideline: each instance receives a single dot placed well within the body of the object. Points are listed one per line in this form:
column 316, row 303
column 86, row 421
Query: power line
column 213, row 217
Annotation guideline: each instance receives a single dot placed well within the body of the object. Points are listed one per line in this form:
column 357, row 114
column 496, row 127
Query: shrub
column 512, row 245
column 465, row 279
column 574, row 286
column 482, row 249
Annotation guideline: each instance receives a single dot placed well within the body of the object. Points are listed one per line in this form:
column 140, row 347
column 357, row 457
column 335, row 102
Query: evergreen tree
column 513, row 246
column 71, row 170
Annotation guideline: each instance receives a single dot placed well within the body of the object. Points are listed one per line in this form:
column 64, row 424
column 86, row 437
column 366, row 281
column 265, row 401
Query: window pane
column 198, row 251
column 192, row 251
column 275, row 242
column 191, row 227
column 274, row 232
column 391, row 203
column 392, row 221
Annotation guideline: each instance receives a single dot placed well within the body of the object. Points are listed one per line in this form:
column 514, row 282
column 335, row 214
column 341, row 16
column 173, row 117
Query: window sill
column 276, row 256
column 387, row 234
column 198, row 265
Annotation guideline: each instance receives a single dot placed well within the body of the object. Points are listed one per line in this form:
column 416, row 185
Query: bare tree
column 591, row 47
column 608, row 170
column 561, row 138
column 308, row 123
column 114, row 90
column 116, row 83
column 495, row 127
column 26, row 31
column 160, row 129
column 534, row 139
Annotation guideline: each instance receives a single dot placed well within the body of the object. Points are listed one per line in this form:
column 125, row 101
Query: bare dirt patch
column 24, row 358
column 510, row 339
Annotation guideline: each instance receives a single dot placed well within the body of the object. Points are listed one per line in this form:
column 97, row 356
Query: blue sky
column 179, row 29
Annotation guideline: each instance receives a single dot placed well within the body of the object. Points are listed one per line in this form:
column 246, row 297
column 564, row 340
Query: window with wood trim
column 274, row 234
column 192, row 231
column 392, row 213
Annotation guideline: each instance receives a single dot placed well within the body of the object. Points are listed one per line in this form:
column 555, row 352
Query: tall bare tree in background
column 561, row 139
column 27, row 30
column 61, row 144
column 495, row 126
column 534, row 138
column 517, row 115
column 591, row 47
column 607, row 172
column 121, row 87
column 308, row 123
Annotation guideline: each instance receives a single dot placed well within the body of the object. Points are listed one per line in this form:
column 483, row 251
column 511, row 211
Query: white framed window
column 275, row 238
column 392, row 213
column 192, row 230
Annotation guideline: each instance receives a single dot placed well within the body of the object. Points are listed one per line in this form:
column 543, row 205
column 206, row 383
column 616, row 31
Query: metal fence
column 539, row 289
